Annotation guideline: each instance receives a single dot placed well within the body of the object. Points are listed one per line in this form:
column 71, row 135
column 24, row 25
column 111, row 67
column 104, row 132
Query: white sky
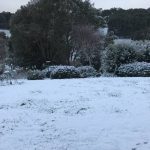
column 13, row 5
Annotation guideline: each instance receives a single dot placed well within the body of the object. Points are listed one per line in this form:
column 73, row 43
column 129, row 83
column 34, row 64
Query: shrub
column 116, row 55
column 3, row 77
column 19, row 73
column 87, row 71
column 64, row 72
column 137, row 69
column 35, row 75
column 2, row 67
column 143, row 55
column 47, row 71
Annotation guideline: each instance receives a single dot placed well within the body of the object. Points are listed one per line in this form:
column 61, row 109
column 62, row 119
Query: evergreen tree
column 131, row 23
column 41, row 31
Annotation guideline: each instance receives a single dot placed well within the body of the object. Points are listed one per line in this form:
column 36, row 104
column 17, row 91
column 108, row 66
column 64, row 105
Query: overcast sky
column 13, row 5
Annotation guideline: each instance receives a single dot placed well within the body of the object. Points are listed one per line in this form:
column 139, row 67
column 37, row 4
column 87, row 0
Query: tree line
column 67, row 32
column 131, row 23
column 5, row 20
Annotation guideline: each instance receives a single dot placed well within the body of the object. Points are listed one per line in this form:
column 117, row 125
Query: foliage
column 131, row 23
column 8, row 75
column 144, row 55
column 41, row 31
column 84, row 71
column 47, row 71
column 65, row 72
column 87, row 71
column 4, row 20
column 87, row 45
column 137, row 69
column 116, row 55
column 35, row 75
column 142, row 48
column 3, row 47
column 110, row 37
column 2, row 68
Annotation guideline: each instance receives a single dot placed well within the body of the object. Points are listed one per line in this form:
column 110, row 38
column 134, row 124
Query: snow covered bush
column 137, row 69
column 116, row 55
column 11, row 74
column 65, row 72
column 35, row 75
column 47, row 71
column 4, row 79
column 19, row 73
column 87, row 71
column 7, row 78
column 142, row 48
column 143, row 55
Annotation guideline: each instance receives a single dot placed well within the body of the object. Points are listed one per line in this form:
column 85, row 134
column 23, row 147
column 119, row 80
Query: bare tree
column 87, row 43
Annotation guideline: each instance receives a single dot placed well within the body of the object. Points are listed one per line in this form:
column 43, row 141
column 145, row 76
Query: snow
column 137, row 45
column 7, row 32
column 103, row 31
column 135, row 69
column 76, row 114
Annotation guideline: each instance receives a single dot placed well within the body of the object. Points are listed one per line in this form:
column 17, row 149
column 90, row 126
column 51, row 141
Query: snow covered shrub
column 65, row 72
column 137, row 69
column 147, row 55
column 116, row 55
column 3, row 79
column 6, row 78
column 143, row 55
column 35, row 75
column 87, row 71
column 19, row 73
column 47, row 71
column 142, row 48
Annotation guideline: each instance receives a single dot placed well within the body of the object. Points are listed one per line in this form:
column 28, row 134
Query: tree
column 131, row 23
column 87, row 45
column 41, row 31
column 5, row 19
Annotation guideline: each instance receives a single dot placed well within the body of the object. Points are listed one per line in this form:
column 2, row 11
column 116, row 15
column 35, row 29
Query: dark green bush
column 137, row 69
column 35, row 75
column 65, row 72
column 49, row 70
column 116, row 55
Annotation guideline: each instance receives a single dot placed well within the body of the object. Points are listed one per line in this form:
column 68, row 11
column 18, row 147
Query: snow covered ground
column 76, row 114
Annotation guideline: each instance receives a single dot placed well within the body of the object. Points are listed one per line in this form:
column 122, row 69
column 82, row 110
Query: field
column 76, row 114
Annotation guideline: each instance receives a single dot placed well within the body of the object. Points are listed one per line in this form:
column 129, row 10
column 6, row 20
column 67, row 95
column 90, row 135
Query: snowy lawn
column 78, row 114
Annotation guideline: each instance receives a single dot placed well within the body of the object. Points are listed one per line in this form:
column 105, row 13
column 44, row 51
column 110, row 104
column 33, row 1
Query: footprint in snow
column 139, row 145
column 36, row 92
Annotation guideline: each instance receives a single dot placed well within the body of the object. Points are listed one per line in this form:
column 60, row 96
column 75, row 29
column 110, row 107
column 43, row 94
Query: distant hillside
column 5, row 20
